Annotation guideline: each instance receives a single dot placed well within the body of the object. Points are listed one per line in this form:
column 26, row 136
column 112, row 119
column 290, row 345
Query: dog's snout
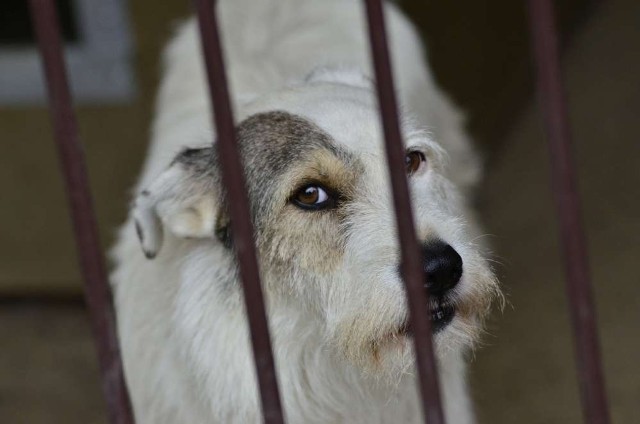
column 442, row 267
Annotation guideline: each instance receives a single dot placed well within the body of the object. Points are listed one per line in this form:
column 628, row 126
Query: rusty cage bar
column 233, row 180
column 97, row 292
column 565, row 191
column 411, row 266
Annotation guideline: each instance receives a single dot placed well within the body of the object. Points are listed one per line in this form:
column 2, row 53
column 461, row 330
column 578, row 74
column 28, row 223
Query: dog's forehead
column 276, row 140
column 281, row 150
column 347, row 115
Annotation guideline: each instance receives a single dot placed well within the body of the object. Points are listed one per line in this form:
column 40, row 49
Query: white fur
column 181, row 323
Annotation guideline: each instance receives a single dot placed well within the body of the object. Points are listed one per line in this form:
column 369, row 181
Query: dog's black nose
column 442, row 267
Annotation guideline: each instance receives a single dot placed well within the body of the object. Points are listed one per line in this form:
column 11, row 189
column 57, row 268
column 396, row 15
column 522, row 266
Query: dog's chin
column 388, row 351
column 452, row 326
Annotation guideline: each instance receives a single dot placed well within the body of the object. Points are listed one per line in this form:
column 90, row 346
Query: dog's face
column 324, row 223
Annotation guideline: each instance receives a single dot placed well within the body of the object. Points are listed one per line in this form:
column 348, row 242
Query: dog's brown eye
column 312, row 197
column 412, row 161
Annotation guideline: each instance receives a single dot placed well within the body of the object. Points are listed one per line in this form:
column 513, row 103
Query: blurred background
column 480, row 53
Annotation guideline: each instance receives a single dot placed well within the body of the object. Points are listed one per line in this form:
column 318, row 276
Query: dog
column 311, row 143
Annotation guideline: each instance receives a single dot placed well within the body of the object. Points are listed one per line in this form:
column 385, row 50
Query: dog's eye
column 413, row 161
column 313, row 197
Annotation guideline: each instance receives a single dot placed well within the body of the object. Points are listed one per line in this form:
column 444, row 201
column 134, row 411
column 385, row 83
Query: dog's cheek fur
column 298, row 248
column 311, row 242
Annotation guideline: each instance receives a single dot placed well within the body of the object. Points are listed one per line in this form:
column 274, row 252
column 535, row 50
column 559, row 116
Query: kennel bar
column 241, row 226
column 72, row 163
column 411, row 262
column 565, row 190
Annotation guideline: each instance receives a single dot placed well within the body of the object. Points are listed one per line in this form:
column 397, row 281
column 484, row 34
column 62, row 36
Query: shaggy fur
column 307, row 113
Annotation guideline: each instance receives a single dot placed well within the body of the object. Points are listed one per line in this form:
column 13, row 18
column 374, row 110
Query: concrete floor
column 525, row 371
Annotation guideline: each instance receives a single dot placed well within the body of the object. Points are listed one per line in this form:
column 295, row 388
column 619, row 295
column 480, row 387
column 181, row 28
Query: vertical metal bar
column 412, row 272
column 234, row 181
column 578, row 285
column 71, row 156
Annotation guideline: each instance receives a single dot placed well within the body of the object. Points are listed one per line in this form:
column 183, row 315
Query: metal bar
column 412, row 272
column 71, row 156
column 234, row 181
column 578, row 284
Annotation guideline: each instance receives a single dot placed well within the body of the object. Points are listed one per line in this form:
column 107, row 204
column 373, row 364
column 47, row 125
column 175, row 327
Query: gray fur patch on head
column 272, row 143
column 282, row 153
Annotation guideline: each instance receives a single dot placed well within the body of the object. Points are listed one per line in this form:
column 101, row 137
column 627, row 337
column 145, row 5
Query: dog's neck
column 212, row 330
column 313, row 380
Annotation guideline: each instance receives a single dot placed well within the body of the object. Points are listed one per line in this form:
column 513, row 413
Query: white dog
column 310, row 138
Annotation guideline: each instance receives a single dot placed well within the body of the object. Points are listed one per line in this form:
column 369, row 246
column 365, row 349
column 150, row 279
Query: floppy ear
column 185, row 199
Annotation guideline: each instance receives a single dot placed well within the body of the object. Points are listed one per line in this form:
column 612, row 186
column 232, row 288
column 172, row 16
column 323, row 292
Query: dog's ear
column 184, row 199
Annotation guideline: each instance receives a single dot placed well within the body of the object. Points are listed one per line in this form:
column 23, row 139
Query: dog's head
column 324, row 223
